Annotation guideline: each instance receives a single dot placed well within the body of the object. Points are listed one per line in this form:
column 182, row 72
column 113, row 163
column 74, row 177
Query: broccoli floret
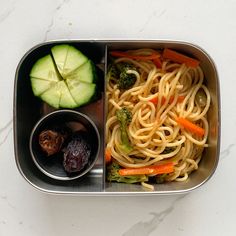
column 113, row 72
column 113, row 175
column 119, row 73
column 126, row 80
column 124, row 116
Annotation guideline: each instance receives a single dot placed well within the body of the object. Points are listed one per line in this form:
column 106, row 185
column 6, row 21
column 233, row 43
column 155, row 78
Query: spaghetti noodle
column 156, row 100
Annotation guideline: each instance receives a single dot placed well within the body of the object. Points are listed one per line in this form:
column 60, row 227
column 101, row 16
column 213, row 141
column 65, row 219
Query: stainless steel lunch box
column 29, row 109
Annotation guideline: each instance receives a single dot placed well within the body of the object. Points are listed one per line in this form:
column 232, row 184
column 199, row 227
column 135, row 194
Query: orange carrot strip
column 157, row 62
column 135, row 57
column 148, row 170
column 179, row 99
column 108, row 155
column 186, row 124
column 180, row 58
column 154, row 100
column 163, row 99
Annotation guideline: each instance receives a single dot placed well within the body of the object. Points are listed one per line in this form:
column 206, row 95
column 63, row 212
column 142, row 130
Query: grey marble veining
column 7, row 12
column 60, row 5
column 5, row 199
column 8, row 124
column 49, row 28
column 4, row 139
column 55, row 11
column 155, row 15
column 5, row 131
column 144, row 228
column 227, row 151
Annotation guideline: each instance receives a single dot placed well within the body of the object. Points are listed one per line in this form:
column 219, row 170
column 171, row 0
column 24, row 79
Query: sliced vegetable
column 135, row 57
column 179, row 58
column 66, row 99
column 163, row 99
column 113, row 175
column 84, row 73
column 81, row 92
column 155, row 100
column 65, row 80
column 188, row 125
column 148, row 170
column 67, row 58
column 157, row 62
column 108, row 155
column 40, row 85
column 52, row 96
column 179, row 99
column 155, row 57
column 59, row 53
column 44, row 69
column 59, row 96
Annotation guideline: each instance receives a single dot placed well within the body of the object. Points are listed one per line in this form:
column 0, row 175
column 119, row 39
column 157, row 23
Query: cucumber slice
column 65, row 79
column 44, row 69
column 52, row 96
column 73, row 60
column 40, row 85
column 59, row 54
column 84, row 73
column 59, row 96
column 81, row 92
column 66, row 100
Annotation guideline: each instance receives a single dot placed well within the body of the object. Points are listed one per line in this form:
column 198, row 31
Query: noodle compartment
column 157, row 124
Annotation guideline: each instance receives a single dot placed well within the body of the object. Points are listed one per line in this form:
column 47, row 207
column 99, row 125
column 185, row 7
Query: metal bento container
column 28, row 110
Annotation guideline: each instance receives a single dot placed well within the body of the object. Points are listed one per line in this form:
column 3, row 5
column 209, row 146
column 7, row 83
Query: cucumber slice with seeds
column 84, row 73
column 81, row 92
column 52, row 96
column 64, row 80
column 40, row 85
column 59, row 96
column 44, row 69
column 67, row 58
column 59, row 54
column 66, row 101
column 74, row 59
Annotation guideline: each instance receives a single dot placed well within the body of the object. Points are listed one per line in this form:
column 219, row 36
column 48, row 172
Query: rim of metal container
column 109, row 41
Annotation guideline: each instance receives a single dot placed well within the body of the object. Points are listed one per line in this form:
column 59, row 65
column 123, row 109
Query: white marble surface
column 209, row 210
